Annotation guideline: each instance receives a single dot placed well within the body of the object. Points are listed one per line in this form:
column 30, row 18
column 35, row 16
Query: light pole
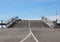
column 56, row 18
column 1, row 24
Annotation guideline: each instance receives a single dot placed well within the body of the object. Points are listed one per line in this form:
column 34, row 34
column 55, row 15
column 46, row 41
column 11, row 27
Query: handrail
column 11, row 21
column 48, row 22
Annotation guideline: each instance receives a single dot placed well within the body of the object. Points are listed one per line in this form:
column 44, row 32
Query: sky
column 29, row 9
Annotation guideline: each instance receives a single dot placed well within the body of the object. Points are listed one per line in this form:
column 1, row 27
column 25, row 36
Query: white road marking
column 34, row 36
column 29, row 35
column 25, row 38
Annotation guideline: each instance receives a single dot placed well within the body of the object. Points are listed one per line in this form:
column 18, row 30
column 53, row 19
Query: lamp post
column 2, row 24
column 56, row 18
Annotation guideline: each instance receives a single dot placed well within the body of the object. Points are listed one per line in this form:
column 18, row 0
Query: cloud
column 53, row 18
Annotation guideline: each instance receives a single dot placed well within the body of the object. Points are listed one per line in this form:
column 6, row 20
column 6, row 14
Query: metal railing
column 10, row 21
column 48, row 22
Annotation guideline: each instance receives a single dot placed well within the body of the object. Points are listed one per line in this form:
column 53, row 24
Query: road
column 12, row 34
column 25, row 35
column 29, row 35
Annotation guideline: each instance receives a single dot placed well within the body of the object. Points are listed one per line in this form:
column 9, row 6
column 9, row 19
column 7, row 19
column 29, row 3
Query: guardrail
column 2, row 24
column 48, row 22
column 10, row 21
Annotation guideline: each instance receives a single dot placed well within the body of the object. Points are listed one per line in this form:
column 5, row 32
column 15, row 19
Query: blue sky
column 28, row 9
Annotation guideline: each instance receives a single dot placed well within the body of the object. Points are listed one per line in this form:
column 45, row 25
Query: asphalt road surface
column 26, row 35
column 12, row 34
